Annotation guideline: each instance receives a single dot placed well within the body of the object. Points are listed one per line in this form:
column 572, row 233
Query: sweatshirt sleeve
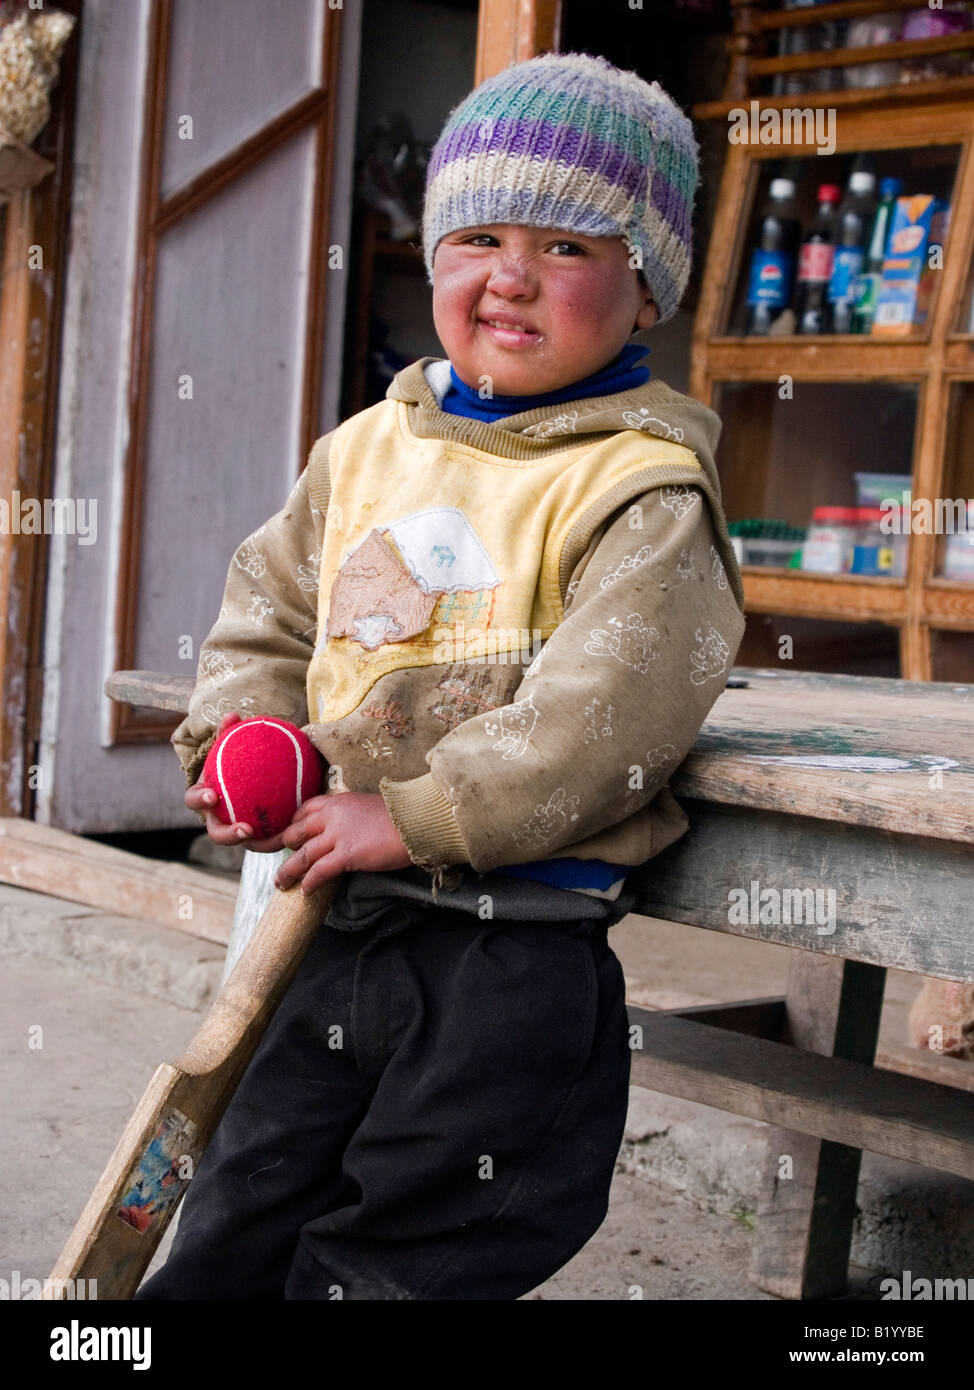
column 606, row 712
column 255, row 657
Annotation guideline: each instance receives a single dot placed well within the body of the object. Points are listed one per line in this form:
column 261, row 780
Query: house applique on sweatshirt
column 466, row 580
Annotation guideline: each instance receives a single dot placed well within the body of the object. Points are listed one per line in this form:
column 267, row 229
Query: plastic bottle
column 772, row 272
column 872, row 554
column 865, row 290
column 799, row 39
column 869, row 32
column 852, row 235
column 830, row 541
column 815, row 264
column 809, row 38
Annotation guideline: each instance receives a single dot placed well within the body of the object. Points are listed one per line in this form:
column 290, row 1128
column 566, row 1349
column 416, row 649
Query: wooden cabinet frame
column 935, row 358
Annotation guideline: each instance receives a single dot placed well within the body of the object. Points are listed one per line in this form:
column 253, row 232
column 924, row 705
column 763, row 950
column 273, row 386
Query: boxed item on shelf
column 874, row 489
column 761, row 551
column 919, row 221
column 763, row 541
column 959, row 557
column 959, row 552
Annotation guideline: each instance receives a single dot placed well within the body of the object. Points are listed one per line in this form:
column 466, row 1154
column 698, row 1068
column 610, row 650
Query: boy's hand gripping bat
column 133, row 1201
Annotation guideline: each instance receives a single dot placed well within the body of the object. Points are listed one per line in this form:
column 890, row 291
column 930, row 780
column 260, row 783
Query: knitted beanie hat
column 567, row 140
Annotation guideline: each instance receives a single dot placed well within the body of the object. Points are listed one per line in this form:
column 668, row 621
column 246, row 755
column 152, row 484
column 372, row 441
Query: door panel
column 202, row 329
column 233, row 65
column 231, row 286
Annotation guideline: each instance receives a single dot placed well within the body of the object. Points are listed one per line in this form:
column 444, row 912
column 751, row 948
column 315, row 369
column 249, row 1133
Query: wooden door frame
column 31, row 309
column 509, row 31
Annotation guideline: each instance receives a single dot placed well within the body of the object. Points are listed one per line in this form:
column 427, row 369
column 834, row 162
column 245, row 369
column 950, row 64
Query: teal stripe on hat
column 571, row 132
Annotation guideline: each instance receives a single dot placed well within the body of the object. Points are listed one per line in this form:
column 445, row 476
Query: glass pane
column 815, row 644
column 233, row 66
column 953, row 656
column 224, row 396
column 842, row 446
column 771, row 279
column 951, row 517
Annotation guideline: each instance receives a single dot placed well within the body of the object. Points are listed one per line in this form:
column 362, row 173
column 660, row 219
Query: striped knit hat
column 567, row 140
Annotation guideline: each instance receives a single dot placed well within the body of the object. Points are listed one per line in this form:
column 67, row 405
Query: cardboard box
column 919, row 222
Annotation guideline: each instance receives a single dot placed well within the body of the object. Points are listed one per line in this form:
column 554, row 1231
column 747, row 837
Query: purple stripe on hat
column 667, row 201
column 546, row 140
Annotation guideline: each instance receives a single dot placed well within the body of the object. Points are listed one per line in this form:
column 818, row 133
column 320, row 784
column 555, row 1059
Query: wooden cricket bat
column 136, row 1196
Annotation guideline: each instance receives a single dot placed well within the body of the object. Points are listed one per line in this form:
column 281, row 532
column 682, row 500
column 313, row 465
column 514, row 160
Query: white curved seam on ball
column 299, row 759
column 224, row 789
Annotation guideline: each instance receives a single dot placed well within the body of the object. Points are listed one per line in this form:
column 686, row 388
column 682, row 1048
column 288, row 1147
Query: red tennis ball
column 261, row 770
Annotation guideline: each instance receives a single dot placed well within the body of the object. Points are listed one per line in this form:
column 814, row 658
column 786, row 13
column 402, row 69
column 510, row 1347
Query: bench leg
column 808, row 1206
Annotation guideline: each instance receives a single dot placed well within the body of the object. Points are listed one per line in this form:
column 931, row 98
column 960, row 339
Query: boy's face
column 577, row 296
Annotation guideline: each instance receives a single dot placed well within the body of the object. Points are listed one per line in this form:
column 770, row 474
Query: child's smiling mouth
column 509, row 331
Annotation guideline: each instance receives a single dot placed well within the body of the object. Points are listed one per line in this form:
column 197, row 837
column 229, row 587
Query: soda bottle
column 865, row 290
column 815, row 263
column 772, row 271
column 854, row 223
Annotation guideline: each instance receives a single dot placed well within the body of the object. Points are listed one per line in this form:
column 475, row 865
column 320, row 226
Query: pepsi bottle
column 772, row 271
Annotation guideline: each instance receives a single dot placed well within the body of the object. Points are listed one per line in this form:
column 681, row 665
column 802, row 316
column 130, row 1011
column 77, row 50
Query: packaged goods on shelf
column 865, row 289
column 873, row 489
column 763, row 541
column 815, row 260
column 875, row 552
column 868, row 32
column 772, row 270
column 919, row 223
column 959, row 551
column 854, row 223
column 935, row 22
column 831, row 540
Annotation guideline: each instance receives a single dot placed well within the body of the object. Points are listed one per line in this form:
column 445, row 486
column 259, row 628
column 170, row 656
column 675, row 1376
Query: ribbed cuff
column 424, row 818
column 193, row 769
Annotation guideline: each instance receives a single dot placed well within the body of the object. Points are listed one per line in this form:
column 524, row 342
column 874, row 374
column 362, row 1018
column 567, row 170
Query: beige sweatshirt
column 512, row 631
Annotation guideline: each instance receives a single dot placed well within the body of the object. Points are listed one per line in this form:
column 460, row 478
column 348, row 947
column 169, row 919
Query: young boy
column 436, row 1108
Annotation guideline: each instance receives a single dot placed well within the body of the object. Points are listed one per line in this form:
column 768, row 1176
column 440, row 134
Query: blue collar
column 621, row 374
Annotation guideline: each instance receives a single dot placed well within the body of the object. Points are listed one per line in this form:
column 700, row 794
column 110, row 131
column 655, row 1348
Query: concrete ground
column 90, row 1004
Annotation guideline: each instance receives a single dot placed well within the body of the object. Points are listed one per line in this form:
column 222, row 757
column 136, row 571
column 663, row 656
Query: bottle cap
column 782, row 188
column 862, row 181
column 845, row 514
column 891, row 188
column 828, row 193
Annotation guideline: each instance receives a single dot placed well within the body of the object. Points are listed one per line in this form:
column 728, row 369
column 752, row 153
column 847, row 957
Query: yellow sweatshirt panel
column 403, row 584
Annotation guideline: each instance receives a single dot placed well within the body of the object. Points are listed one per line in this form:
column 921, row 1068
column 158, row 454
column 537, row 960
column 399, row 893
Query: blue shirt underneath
column 621, row 374
column 618, row 375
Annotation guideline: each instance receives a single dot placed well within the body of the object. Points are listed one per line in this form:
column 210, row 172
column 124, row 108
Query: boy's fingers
column 328, row 866
column 311, row 807
column 223, row 834
column 271, row 845
column 199, row 797
column 298, row 864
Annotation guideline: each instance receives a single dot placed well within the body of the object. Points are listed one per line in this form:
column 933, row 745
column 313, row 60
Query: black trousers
column 433, row 1113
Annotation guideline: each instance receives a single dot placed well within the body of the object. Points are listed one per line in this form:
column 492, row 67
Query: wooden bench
column 799, row 786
